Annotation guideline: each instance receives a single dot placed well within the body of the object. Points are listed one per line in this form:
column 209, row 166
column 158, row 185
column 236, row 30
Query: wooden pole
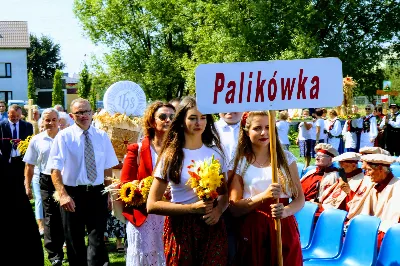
column 274, row 167
column 30, row 110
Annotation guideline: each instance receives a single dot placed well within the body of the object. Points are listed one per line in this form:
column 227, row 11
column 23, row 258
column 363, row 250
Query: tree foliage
column 31, row 87
column 159, row 43
column 85, row 83
column 57, row 95
column 43, row 57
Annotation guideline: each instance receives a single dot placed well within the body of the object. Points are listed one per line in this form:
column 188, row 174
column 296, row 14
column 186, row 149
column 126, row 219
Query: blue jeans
column 38, row 199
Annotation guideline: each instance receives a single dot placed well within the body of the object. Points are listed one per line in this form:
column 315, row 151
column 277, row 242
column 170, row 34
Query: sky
column 54, row 18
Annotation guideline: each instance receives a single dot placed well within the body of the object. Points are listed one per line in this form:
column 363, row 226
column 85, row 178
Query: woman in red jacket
column 144, row 231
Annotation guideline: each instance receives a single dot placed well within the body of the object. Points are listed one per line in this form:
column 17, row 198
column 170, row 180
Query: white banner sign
column 269, row 85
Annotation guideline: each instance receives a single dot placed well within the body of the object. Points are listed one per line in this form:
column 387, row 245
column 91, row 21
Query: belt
column 44, row 175
column 86, row 187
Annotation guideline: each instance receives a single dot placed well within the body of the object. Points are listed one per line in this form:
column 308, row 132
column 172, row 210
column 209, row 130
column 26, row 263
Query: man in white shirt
column 228, row 128
column 37, row 154
column 80, row 158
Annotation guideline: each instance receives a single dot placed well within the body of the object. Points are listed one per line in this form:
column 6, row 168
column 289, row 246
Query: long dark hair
column 172, row 150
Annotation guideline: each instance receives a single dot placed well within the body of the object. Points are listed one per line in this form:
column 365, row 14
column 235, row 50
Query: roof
column 14, row 34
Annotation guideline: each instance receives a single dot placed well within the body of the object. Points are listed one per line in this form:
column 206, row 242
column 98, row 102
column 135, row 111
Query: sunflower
column 127, row 192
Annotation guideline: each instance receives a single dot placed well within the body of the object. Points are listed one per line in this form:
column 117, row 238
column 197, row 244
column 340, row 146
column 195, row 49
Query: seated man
column 345, row 188
column 378, row 194
column 315, row 183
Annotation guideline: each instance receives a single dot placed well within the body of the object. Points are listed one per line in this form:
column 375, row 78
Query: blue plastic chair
column 300, row 167
column 360, row 244
column 327, row 238
column 395, row 169
column 389, row 254
column 305, row 220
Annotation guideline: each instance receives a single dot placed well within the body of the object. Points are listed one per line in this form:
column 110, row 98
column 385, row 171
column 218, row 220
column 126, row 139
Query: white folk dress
column 145, row 243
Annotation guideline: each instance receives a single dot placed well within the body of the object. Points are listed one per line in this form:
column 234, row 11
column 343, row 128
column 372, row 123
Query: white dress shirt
column 38, row 151
column 67, row 155
column 14, row 153
column 229, row 135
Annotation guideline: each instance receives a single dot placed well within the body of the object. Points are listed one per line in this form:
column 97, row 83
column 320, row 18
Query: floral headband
column 244, row 119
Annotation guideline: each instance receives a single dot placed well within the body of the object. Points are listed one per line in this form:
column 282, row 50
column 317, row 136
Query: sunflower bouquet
column 133, row 194
column 205, row 178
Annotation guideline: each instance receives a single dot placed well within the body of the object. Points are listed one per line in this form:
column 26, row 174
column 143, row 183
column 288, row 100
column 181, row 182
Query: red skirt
column 188, row 240
column 257, row 239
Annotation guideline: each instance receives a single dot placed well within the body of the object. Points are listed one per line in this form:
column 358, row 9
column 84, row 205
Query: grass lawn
column 296, row 151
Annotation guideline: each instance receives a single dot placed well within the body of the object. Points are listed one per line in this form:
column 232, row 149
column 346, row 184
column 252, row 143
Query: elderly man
column 228, row 129
column 379, row 193
column 315, row 183
column 37, row 154
column 369, row 128
column 344, row 190
column 81, row 157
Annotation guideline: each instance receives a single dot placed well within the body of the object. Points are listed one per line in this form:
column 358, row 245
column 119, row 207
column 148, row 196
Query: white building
column 14, row 41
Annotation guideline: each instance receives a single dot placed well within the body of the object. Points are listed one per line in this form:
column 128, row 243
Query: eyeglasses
column 367, row 108
column 322, row 156
column 164, row 117
column 88, row 112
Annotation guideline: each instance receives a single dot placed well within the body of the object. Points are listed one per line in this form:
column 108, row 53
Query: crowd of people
column 69, row 162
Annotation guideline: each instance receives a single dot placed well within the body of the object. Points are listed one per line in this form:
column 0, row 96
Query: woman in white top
column 334, row 129
column 252, row 196
column 194, row 234
column 320, row 127
column 144, row 232
column 283, row 127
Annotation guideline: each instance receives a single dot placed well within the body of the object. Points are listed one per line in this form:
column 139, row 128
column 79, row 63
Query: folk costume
column 144, row 231
column 188, row 240
column 334, row 133
column 336, row 197
column 351, row 133
column 257, row 237
column 378, row 199
column 315, row 183
column 393, row 134
column 369, row 131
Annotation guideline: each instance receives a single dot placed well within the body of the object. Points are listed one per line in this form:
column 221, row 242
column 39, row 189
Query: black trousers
column 91, row 212
column 53, row 228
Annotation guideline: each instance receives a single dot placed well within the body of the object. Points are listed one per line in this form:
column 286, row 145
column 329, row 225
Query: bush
column 293, row 133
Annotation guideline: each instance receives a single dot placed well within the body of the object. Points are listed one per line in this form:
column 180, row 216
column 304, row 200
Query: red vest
column 132, row 171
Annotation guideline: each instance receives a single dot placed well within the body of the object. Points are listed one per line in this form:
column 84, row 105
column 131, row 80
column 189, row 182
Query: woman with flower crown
column 144, row 232
column 252, row 196
column 194, row 234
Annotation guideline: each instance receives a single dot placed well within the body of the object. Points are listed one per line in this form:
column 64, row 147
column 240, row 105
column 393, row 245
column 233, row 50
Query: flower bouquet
column 133, row 194
column 22, row 145
column 205, row 178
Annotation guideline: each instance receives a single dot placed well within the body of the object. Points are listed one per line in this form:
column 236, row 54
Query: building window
column 5, row 70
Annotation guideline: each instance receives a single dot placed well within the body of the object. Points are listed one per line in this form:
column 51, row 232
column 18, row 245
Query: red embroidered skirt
column 257, row 239
column 188, row 240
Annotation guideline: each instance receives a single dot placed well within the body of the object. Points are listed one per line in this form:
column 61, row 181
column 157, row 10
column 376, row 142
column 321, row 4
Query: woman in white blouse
column 194, row 234
column 283, row 127
column 252, row 196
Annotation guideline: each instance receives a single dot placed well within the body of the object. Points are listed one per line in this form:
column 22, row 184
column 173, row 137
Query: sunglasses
column 164, row 117
column 367, row 108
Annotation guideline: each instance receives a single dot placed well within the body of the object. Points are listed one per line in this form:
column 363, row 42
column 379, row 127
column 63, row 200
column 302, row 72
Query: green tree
column 85, row 83
column 93, row 99
column 31, row 87
column 57, row 94
column 43, row 57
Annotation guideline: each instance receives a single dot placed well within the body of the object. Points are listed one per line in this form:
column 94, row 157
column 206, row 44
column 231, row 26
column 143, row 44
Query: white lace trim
column 145, row 244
